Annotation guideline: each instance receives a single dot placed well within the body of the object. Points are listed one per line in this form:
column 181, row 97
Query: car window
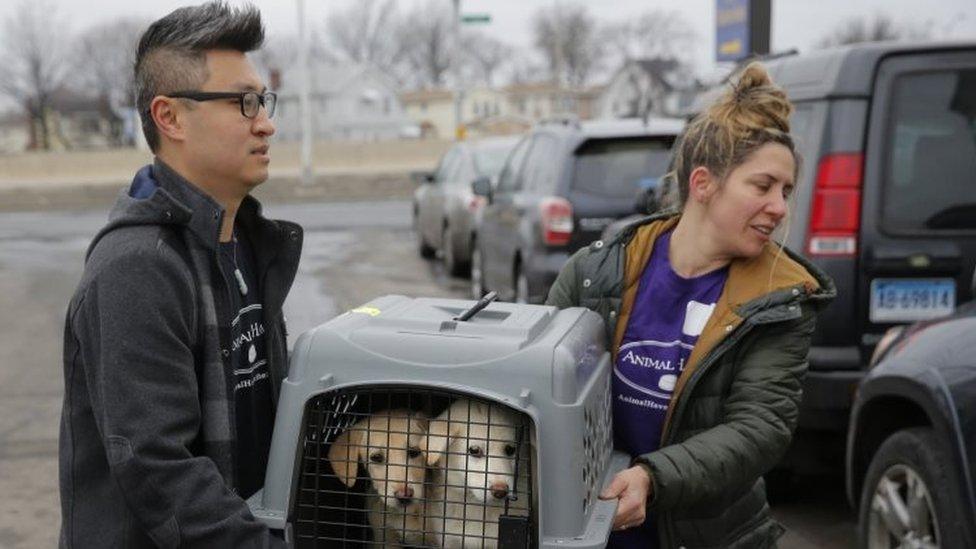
column 508, row 181
column 460, row 173
column 930, row 153
column 489, row 159
column 448, row 165
column 539, row 174
column 618, row 168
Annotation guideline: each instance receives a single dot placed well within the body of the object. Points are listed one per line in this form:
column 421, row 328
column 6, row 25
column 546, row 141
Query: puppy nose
column 404, row 495
column 499, row 490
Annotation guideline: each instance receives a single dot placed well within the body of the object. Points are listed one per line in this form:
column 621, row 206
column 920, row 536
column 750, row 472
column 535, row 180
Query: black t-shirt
column 249, row 359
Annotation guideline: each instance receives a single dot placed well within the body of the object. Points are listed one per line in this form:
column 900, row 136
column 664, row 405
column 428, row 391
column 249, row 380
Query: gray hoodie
column 147, row 427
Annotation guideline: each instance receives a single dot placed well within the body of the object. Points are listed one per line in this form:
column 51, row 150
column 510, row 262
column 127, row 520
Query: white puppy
column 475, row 446
column 389, row 444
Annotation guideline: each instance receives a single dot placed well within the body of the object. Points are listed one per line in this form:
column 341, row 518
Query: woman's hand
column 632, row 487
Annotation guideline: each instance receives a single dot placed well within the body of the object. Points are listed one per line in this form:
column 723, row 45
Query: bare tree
column 104, row 57
column 485, row 54
column 567, row 37
column 32, row 48
column 363, row 32
column 879, row 28
column 426, row 41
column 655, row 34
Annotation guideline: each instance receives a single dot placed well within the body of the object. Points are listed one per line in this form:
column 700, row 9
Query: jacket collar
column 775, row 277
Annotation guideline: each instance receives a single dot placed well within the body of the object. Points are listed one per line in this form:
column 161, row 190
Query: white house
column 658, row 86
column 347, row 101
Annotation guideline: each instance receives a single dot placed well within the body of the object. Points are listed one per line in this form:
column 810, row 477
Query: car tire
column 426, row 250
column 478, row 289
column 451, row 264
column 911, row 465
column 521, row 290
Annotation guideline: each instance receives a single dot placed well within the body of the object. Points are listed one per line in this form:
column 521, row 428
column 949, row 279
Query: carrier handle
column 477, row 307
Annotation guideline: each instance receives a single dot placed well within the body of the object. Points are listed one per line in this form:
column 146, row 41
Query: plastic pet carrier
column 444, row 423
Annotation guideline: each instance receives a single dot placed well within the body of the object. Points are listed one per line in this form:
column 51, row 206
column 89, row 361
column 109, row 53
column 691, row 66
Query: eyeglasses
column 251, row 102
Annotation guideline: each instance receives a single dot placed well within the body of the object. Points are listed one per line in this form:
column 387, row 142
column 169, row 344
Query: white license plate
column 911, row 299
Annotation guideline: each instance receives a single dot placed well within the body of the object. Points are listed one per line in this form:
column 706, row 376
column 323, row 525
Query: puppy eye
column 376, row 458
column 475, row 451
column 413, row 452
column 509, row 450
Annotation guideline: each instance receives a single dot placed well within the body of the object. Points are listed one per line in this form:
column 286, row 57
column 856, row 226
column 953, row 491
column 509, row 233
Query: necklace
column 241, row 285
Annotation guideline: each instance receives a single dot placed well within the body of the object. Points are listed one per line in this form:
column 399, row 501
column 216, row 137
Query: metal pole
column 304, row 110
column 456, row 62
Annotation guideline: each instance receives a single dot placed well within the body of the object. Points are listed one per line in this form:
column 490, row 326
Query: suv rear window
column 931, row 153
column 619, row 168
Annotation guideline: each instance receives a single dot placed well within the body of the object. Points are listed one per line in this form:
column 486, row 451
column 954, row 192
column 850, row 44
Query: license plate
column 908, row 300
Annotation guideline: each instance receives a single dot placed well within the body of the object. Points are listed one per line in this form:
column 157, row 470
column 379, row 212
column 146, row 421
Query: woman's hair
column 753, row 112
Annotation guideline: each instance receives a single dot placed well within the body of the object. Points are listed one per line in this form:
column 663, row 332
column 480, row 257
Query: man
column 175, row 343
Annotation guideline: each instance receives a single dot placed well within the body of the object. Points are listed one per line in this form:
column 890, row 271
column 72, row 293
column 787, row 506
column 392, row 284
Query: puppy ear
column 442, row 429
column 345, row 452
column 421, row 420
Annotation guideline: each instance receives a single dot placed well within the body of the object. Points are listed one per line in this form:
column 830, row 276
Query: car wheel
column 451, row 264
column 426, row 250
column 478, row 289
column 521, row 285
column 910, row 495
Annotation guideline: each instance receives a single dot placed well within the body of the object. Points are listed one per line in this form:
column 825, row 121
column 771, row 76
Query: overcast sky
column 796, row 23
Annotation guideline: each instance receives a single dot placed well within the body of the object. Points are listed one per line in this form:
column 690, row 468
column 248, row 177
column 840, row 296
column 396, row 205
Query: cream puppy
column 474, row 446
column 389, row 444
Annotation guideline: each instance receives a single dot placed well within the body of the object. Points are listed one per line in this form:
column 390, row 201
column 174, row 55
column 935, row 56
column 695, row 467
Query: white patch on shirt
column 667, row 382
column 696, row 316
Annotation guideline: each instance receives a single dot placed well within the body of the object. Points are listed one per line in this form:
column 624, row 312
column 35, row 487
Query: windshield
column 489, row 159
column 931, row 153
column 620, row 168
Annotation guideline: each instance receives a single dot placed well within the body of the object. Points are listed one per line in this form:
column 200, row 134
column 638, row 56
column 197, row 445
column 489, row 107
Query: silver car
column 444, row 207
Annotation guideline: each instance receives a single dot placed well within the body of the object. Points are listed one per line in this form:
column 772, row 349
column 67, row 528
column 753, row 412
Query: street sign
column 475, row 18
column 741, row 28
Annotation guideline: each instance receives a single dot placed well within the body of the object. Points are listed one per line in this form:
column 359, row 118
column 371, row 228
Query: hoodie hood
column 160, row 196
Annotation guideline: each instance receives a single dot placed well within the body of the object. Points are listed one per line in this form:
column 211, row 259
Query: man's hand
column 632, row 487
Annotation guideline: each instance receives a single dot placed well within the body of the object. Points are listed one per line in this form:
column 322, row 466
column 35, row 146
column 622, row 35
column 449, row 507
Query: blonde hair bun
column 753, row 104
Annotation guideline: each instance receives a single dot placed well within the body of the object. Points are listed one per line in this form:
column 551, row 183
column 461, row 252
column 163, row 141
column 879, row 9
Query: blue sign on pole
column 731, row 30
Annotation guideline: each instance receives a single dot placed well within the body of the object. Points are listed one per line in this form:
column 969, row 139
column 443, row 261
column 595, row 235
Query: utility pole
column 456, row 63
column 304, row 110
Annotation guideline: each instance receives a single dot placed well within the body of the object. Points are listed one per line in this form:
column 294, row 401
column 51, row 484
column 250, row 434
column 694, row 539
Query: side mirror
column 422, row 178
column 482, row 187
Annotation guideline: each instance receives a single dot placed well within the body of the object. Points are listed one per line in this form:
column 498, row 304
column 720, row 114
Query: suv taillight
column 835, row 214
column 557, row 221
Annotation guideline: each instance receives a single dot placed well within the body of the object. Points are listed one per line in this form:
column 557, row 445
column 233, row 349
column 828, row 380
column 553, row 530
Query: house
column 431, row 110
column 491, row 111
column 79, row 121
column 661, row 87
column 347, row 101
column 14, row 134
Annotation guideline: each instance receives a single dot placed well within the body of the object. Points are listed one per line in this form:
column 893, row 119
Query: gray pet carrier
column 400, row 425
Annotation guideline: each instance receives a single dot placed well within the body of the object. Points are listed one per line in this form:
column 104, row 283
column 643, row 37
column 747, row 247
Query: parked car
column 443, row 205
column 911, row 448
column 885, row 204
column 562, row 184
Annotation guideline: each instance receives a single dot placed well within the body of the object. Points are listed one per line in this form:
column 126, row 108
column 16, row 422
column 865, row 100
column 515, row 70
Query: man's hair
column 171, row 53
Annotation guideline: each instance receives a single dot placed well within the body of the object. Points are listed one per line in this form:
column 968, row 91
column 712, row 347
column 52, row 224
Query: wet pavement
column 353, row 253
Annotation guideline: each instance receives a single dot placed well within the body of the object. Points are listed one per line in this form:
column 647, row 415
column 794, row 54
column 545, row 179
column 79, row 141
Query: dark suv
column 561, row 185
column 885, row 204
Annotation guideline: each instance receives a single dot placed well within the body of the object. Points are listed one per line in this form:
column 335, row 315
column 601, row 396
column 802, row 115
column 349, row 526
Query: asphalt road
column 354, row 252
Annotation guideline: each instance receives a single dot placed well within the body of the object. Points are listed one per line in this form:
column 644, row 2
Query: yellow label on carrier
column 371, row 311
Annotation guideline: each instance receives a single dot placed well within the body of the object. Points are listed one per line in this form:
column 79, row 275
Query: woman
column 709, row 323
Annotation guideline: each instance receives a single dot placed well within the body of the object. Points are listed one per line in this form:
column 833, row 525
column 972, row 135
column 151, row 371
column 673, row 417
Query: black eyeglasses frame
column 263, row 99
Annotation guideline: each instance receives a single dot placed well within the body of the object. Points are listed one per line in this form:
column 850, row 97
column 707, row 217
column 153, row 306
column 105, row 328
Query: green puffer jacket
column 736, row 403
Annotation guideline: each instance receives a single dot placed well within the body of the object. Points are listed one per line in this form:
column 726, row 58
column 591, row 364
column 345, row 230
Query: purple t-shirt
column 668, row 315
